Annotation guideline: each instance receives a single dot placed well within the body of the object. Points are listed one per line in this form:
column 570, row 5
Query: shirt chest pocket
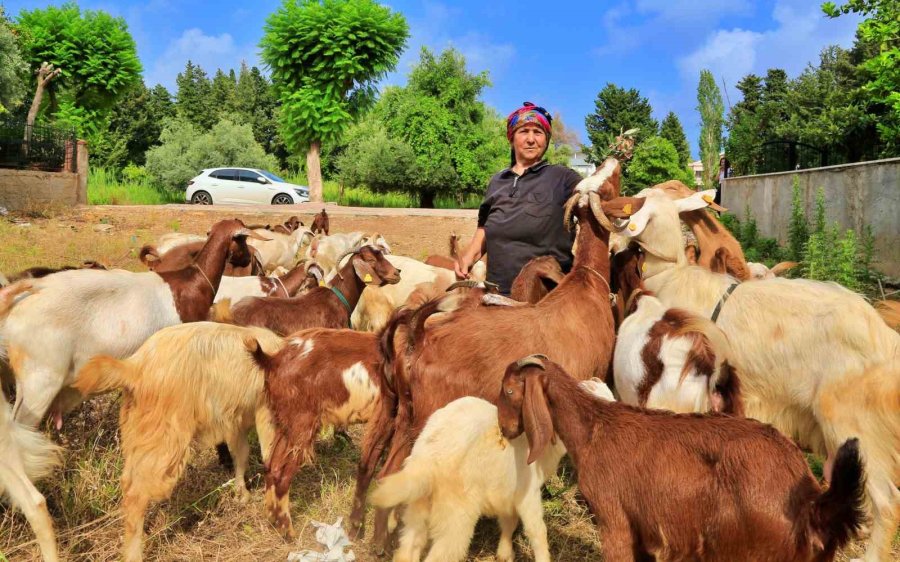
column 538, row 205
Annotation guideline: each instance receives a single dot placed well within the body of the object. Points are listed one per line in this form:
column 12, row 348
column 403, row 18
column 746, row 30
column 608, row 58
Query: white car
column 243, row 186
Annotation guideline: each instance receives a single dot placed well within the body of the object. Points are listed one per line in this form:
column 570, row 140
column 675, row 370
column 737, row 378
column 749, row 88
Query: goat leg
column 225, row 459
column 379, row 431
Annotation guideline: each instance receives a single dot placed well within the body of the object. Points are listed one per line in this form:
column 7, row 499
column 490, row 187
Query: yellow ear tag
column 632, row 226
column 643, row 267
column 707, row 198
column 627, row 209
column 367, row 278
column 321, row 282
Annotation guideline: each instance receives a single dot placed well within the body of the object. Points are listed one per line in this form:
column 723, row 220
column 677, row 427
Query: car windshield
column 270, row 175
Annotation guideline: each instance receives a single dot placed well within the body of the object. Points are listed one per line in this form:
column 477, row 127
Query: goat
column 25, row 456
column 191, row 383
column 242, row 260
column 446, row 262
column 760, row 271
column 320, row 223
column 320, row 307
column 288, row 226
column 536, row 279
column 39, row 272
column 466, row 354
column 276, row 249
column 328, row 249
column 339, row 374
column 305, row 275
column 815, row 359
column 713, row 488
column 68, row 317
column 890, row 313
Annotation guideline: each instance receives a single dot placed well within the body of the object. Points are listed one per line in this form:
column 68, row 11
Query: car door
column 252, row 191
column 225, row 186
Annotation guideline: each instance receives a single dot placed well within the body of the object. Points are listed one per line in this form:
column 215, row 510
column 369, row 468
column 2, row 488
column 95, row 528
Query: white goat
column 460, row 468
column 280, row 284
column 68, row 317
column 327, row 250
column 172, row 239
column 25, row 456
column 279, row 249
column 192, row 383
column 816, row 361
column 377, row 303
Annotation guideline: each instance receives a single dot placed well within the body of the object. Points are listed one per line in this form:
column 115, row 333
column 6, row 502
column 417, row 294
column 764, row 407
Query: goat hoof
column 243, row 496
column 357, row 529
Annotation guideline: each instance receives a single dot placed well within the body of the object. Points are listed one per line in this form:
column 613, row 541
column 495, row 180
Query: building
column 697, row 167
column 579, row 163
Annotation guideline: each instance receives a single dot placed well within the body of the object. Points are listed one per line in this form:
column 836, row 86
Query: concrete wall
column 856, row 195
column 23, row 188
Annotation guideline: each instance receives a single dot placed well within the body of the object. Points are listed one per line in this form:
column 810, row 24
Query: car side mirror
column 261, row 179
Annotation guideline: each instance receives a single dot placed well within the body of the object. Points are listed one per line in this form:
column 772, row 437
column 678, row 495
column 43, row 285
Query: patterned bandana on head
column 528, row 113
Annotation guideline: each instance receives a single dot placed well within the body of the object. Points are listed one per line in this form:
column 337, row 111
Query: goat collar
column 197, row 267
column 612, row 296
column 722, row 300
column 337, row 292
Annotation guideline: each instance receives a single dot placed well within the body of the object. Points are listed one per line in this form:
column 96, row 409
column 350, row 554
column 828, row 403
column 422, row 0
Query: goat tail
column 412, row 483
column 780, row 268
column 9, row 293
column 39, row 455
column 262, row 359
column 221, row 312
column 103, row 373
column 890, row 313
column 839, row 513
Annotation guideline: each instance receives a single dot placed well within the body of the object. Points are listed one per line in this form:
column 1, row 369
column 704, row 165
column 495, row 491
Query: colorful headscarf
column 528, row 113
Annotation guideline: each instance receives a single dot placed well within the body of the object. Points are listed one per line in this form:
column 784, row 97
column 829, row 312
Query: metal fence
column 48, row 148
column 786, row 155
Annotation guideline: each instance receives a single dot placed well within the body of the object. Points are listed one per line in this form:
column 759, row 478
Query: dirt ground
column 202, row 521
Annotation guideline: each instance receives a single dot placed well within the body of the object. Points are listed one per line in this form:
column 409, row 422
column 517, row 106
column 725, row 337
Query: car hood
column 291, row 186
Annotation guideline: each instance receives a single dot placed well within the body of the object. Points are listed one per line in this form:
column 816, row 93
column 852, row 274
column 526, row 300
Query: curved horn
column 596, row 207
column 536, row 360
column 567, row 215
column 252, row 234
column 347, row 253
column 467, row 283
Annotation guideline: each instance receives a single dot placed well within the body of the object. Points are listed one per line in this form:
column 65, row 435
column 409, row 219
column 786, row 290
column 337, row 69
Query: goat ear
column 639, row 220
column 536, row 416
column 365, row 271
column 698, row 200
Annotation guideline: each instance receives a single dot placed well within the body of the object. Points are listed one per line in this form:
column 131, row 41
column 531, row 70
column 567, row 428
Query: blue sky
column 559, row 55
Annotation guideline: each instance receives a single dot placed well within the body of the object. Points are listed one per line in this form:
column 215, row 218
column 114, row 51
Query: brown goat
column 320, row 223
column 466, row 355
column 242, row 260
column 446, row 262
column 339, row 372
column 536, row 279
column 709, row 488
column 320, row 307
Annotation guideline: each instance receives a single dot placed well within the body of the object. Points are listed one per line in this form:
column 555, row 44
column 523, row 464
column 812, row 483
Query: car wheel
column 282, row 199
column 201, row 198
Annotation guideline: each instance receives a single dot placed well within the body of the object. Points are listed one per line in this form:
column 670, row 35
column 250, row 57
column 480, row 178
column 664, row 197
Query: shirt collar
column 536, row 168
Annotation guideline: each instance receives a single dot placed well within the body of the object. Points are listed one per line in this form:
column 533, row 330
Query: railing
column 44, row 147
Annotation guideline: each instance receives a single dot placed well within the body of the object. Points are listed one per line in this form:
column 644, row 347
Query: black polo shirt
column 523, row 218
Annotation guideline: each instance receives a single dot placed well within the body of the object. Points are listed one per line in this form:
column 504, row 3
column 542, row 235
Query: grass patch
column 106, row 187
column 362, row 197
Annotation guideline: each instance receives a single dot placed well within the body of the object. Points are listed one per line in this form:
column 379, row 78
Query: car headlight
column 302, row 192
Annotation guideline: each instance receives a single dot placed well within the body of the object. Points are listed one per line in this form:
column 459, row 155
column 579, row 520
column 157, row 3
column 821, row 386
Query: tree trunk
column 314, row 173
column 45, row 74
column 426, row 200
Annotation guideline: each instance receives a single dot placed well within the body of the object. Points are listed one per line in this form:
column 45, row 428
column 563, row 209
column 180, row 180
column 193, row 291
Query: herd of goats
column 471, row 398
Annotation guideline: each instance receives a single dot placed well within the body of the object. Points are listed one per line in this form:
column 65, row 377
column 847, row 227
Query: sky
column 559, row 55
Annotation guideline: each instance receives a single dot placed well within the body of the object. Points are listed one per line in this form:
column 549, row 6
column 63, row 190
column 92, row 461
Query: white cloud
column 208, row 51
column 726, row 53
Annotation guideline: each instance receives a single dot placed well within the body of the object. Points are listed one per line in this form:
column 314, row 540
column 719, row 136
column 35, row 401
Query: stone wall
column 20, row 189
column 856, row 196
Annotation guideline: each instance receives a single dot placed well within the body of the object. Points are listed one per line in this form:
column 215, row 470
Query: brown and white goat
column 38, row 272
column 446, row 262
column 672, row 487
column 320, row 223
column 242, row 260
column 466, row 355
column 320, row 307
column 304, row 276
column 321, row 377
column 192, row 383
column 66, row 318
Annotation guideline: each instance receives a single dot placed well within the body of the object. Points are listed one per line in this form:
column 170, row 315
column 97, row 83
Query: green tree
column 96, row 55
column 13, row 68
column 881, row 30
column 223, row 92
column 326, row 57
column 711, row 108
column 193, row 98
column 134, row 127
column 655, row 161
column 672, row 131
column 256, row 103
column 374, row 159
column 744, row 128
column 617, row 110
column 185, row 150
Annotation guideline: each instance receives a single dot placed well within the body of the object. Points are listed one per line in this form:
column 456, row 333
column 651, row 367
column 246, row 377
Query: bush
column 185, row 151
column 655, row 160
column 134, row 186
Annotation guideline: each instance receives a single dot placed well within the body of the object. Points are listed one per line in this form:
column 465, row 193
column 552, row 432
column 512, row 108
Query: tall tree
column 655, row 161
column 711, row 108
column 96, row 55
column 135, row 126
column 617, row 110
column 13, row 68
column 193, row 99
column 223, row 92
column 881, row 30
column 256, row 103
column 326, row 57
column 672, row 131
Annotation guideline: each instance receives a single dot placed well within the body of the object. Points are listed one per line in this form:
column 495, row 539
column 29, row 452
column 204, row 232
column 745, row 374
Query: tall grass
column 362, row 197
column 107, row 187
